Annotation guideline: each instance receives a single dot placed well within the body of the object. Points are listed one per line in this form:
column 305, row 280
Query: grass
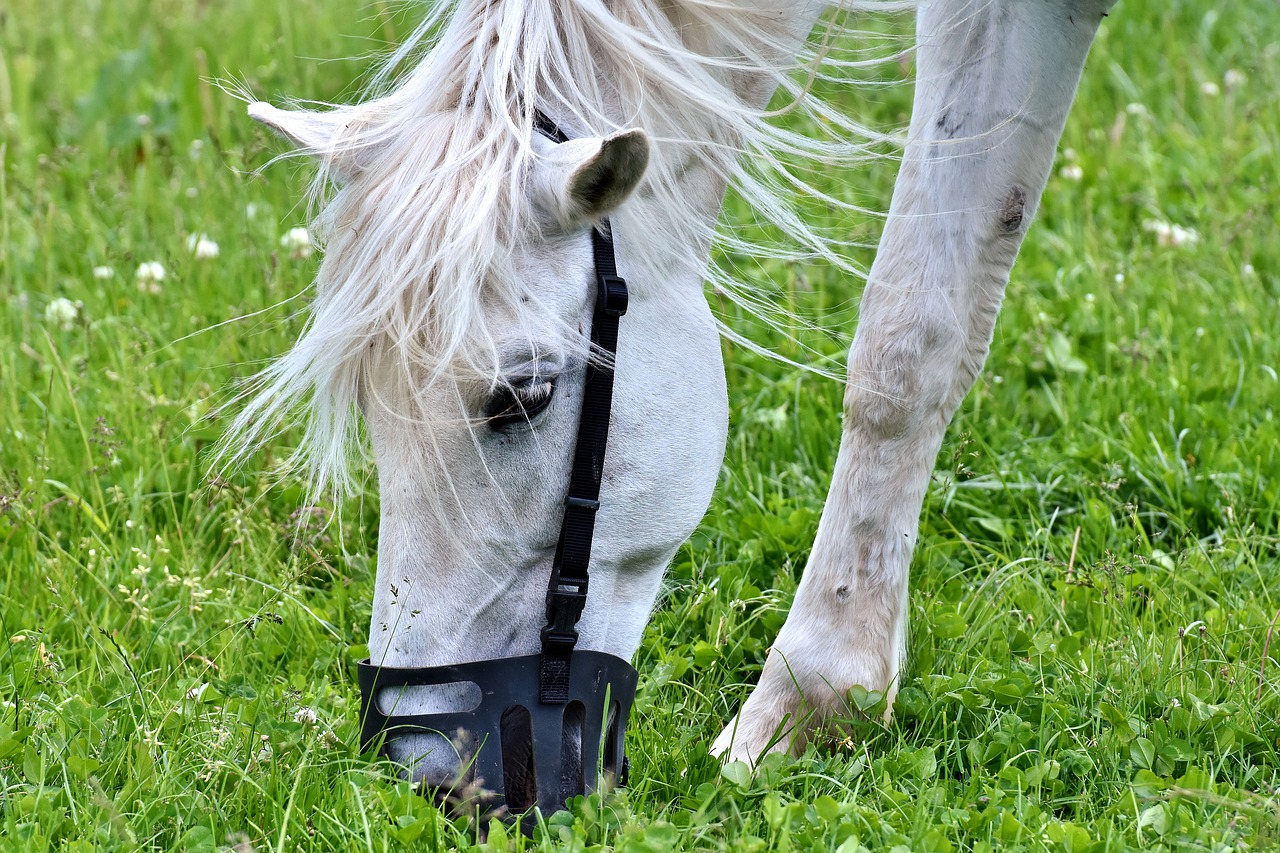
column 1094, row 593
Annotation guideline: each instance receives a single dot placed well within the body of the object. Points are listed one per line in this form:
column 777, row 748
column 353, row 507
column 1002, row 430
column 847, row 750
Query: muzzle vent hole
column 451, row 698
column 571, row 751
column 519, row 778
column 609, row 761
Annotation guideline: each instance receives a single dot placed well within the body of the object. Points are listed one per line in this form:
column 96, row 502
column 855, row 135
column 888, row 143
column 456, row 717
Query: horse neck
column 786, row 23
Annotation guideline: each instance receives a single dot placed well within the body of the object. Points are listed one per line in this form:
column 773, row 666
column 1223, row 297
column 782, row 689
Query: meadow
column 1092, row 666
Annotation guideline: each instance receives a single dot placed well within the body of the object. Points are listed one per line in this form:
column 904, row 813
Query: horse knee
column 900, row 378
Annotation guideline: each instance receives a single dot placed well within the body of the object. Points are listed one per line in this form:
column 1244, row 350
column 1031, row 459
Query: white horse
column 451, row 306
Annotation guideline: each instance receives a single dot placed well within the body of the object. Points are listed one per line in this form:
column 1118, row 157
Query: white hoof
column 788, row 706
column 738, row 743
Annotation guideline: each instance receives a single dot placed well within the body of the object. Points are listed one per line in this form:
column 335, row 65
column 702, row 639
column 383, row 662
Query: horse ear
column 315, row 133
column 582, row 180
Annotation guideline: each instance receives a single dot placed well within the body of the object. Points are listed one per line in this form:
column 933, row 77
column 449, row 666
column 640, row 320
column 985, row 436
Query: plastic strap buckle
column 611, row 295
column 566, row 599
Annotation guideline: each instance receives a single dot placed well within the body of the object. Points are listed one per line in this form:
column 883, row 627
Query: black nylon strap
column 548, row 128
column 567, row 592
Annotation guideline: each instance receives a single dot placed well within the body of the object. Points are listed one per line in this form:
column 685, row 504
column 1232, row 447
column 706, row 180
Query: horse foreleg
column 995, row 82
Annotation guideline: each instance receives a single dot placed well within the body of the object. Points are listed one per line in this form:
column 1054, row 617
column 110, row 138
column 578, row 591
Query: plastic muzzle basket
column 522, row 751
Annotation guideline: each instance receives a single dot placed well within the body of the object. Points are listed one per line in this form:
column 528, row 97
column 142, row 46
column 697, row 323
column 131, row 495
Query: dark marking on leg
column 1015, row 203
column 842, row 592
column 949, row 124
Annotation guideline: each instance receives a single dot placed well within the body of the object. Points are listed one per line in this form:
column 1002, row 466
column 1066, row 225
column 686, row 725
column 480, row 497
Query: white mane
column 418, row 239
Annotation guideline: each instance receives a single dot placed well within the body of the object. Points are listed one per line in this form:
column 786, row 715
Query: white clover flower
column 1071, row 172
column 1168, row 235
column 103, row 273
column 298, row 243
column 1234, row 79
column 1247, row 269
column 1210, row 89
column 202, row 247
column 1179, row 236
column 251, row 210
column 61, row 312
column 149, row 275
column 1155, row 226
column 306, row 716
column 1136, row 109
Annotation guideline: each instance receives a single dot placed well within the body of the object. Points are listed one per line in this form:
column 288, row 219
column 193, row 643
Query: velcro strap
column 553, row 678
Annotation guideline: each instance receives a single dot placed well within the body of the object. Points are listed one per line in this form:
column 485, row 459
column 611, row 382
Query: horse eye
column 520, row 403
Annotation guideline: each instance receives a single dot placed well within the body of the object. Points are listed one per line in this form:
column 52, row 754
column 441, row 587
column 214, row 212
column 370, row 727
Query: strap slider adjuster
column 572, row 502
column 611, row 295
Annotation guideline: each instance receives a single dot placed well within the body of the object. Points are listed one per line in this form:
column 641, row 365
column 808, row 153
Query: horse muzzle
column 516, row 747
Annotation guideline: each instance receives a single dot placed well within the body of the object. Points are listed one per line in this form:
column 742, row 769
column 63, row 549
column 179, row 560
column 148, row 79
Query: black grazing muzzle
column 517, row 750
column 548, row 726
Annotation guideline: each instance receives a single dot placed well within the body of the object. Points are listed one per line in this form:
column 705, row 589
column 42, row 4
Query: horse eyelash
column 513, row 404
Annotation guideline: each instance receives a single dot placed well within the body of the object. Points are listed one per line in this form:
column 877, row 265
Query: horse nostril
column 519, row 777
column 571, row 751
